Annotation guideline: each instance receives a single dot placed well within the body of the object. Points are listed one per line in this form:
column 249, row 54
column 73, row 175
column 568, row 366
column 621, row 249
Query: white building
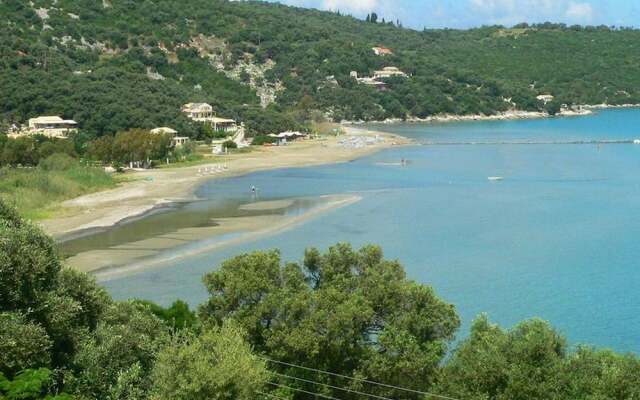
column 382, row 51
column 200, row 112
column 52, row 126
column 223, row 124
column 388, row 72
column 164, row 130
column 369, row 81
column 176, row 141
column 203, row 112
column 545, row 98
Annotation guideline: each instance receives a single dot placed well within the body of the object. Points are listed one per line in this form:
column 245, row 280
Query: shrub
column 262, row 139
column 58, row 162
column 229, row 144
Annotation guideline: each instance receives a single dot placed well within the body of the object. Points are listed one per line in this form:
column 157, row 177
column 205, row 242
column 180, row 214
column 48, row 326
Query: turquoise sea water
column 556, row 239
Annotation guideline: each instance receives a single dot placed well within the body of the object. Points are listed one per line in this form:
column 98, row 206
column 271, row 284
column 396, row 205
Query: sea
column 555, row 235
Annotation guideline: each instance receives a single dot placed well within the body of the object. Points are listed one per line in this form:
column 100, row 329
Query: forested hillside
column 120, row 64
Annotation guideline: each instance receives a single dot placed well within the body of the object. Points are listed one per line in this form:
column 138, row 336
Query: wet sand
column 132, row 257
column 153, row 188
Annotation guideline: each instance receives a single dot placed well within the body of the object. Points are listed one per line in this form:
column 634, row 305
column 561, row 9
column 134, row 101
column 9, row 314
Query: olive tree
column 217, row 365
column 347, row 311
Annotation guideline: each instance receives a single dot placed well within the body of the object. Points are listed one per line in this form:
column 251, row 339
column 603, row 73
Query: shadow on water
column 174, row 217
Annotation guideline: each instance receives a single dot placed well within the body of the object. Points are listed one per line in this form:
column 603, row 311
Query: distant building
column 203, row 112
column 49, row 126
column 179, row 141
column 372, row 82
column 388, row 72
column 382, row 51
column 545, row 98
column 165, row 130
column 176, row 141
column 283, row 137
column 200, row 112
column 368, row 81
column 224, row 124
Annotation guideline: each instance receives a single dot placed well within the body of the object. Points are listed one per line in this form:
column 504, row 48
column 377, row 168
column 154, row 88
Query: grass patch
column 37, row 192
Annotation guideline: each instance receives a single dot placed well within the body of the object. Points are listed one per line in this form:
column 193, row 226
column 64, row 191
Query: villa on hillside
column 203, row 112
column 369, row 81
column 200, row 112
column 176, row 141
column 388, row 72
column 545, row 98
column 49, row 126
column 382, row 51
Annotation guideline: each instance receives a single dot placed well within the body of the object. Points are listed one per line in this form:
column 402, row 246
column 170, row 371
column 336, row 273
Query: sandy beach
column 133, row 257
column 150, row 189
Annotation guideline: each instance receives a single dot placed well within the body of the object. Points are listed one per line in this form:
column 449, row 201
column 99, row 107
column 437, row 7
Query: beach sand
column 153, row 188
column 133, row 257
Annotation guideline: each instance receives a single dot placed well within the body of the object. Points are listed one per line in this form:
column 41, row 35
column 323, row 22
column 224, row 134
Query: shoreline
column 510, row 115
column 157, row 188
column 229, row 232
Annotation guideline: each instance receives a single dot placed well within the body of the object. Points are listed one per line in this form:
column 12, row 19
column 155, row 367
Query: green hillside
column 116, row 64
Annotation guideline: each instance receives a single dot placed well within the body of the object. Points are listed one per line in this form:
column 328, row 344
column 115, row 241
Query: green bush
column 262, row 139
column 58, row 162
column 30, row 384
column 229, row 144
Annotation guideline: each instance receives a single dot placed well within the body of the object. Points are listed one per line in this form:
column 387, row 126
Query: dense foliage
column 59, row 330
column 350, row 312
column 118, row 65
column 269, row 329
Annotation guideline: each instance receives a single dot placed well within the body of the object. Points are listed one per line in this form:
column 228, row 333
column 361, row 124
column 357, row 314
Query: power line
column 332, row 387
column 303, row 391
column 360, row 380
column 273, row 396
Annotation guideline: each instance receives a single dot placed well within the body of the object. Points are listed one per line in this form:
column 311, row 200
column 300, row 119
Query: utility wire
column 273, row 396
column 359, row 379
column 331, row 386
column 303, row 391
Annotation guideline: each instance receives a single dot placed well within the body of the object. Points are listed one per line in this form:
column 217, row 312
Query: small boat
column 495, row 178
column 636, row 141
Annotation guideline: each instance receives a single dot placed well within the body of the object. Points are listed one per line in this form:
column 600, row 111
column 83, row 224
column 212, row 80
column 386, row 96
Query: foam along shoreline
column 502, row 116
column 149, row 253
column 155, row 188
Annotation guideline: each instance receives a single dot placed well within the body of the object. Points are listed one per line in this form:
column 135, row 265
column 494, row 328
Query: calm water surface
column 557, row 238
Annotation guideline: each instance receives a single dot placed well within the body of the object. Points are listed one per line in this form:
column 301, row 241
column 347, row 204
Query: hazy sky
column 471, row 13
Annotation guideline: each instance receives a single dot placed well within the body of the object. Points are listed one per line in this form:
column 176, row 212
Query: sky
column 473, row 13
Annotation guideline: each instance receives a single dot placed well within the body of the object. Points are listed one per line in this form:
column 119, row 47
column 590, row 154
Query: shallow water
column 557, row 238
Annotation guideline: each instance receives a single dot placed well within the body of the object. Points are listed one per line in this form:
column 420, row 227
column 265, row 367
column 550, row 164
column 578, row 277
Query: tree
column 30, row 384
column 123, row 348
column 177, row 317
column 350, row 312
column 101, row 149
column 524, row 363
column 33, row 284
column 23, row 344
column 216, row 365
